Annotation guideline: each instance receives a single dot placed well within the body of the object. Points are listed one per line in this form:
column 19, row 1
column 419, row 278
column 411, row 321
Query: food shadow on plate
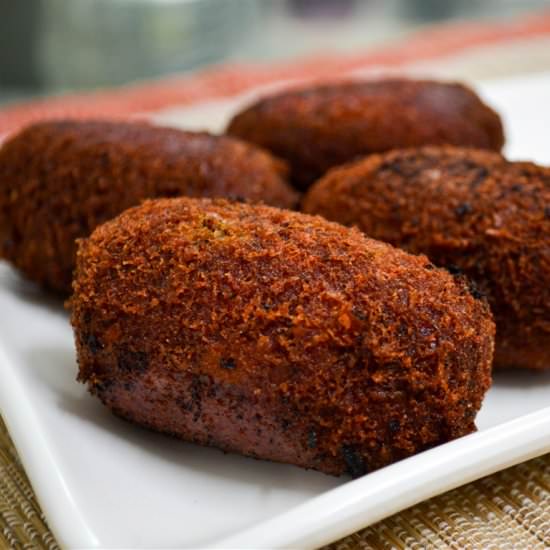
column 29, row 292
column 521, row 378
column 58, row 372
column 514, row 393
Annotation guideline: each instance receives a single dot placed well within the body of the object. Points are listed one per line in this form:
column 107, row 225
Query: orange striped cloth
column 434, row 44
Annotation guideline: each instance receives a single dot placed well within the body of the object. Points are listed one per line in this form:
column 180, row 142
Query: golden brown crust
column 465, row 209
column 277, row 335
column 320, row 127
column 59, row 179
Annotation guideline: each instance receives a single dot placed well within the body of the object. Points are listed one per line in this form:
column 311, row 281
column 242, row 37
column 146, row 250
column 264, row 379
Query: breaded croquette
column 470, row 211
column 60, row 179
column 319, row 127
column 277, row 335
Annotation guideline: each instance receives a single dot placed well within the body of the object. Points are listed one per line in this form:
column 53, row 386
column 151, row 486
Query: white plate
column 105, row 483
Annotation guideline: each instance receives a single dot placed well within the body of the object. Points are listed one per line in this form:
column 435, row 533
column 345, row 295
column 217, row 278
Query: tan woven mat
column 508, row 510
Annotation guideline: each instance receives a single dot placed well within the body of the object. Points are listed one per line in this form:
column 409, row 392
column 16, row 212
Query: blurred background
column 52, row 46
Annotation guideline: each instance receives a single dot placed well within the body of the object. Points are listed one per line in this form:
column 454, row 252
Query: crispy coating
column 467, row 210
column 320, row 127
column 277, row 335
column 60, row 179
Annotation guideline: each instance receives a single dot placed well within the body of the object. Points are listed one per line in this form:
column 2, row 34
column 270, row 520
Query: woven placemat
column 508, row 510
column 22, row 524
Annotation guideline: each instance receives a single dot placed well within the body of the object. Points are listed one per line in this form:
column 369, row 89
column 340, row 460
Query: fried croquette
column 277, row 335
column 470, row 211
column 320, row 127
column 60, row 179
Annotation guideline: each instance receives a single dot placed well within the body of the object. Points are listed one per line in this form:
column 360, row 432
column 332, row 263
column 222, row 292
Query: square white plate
column 104, row 483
